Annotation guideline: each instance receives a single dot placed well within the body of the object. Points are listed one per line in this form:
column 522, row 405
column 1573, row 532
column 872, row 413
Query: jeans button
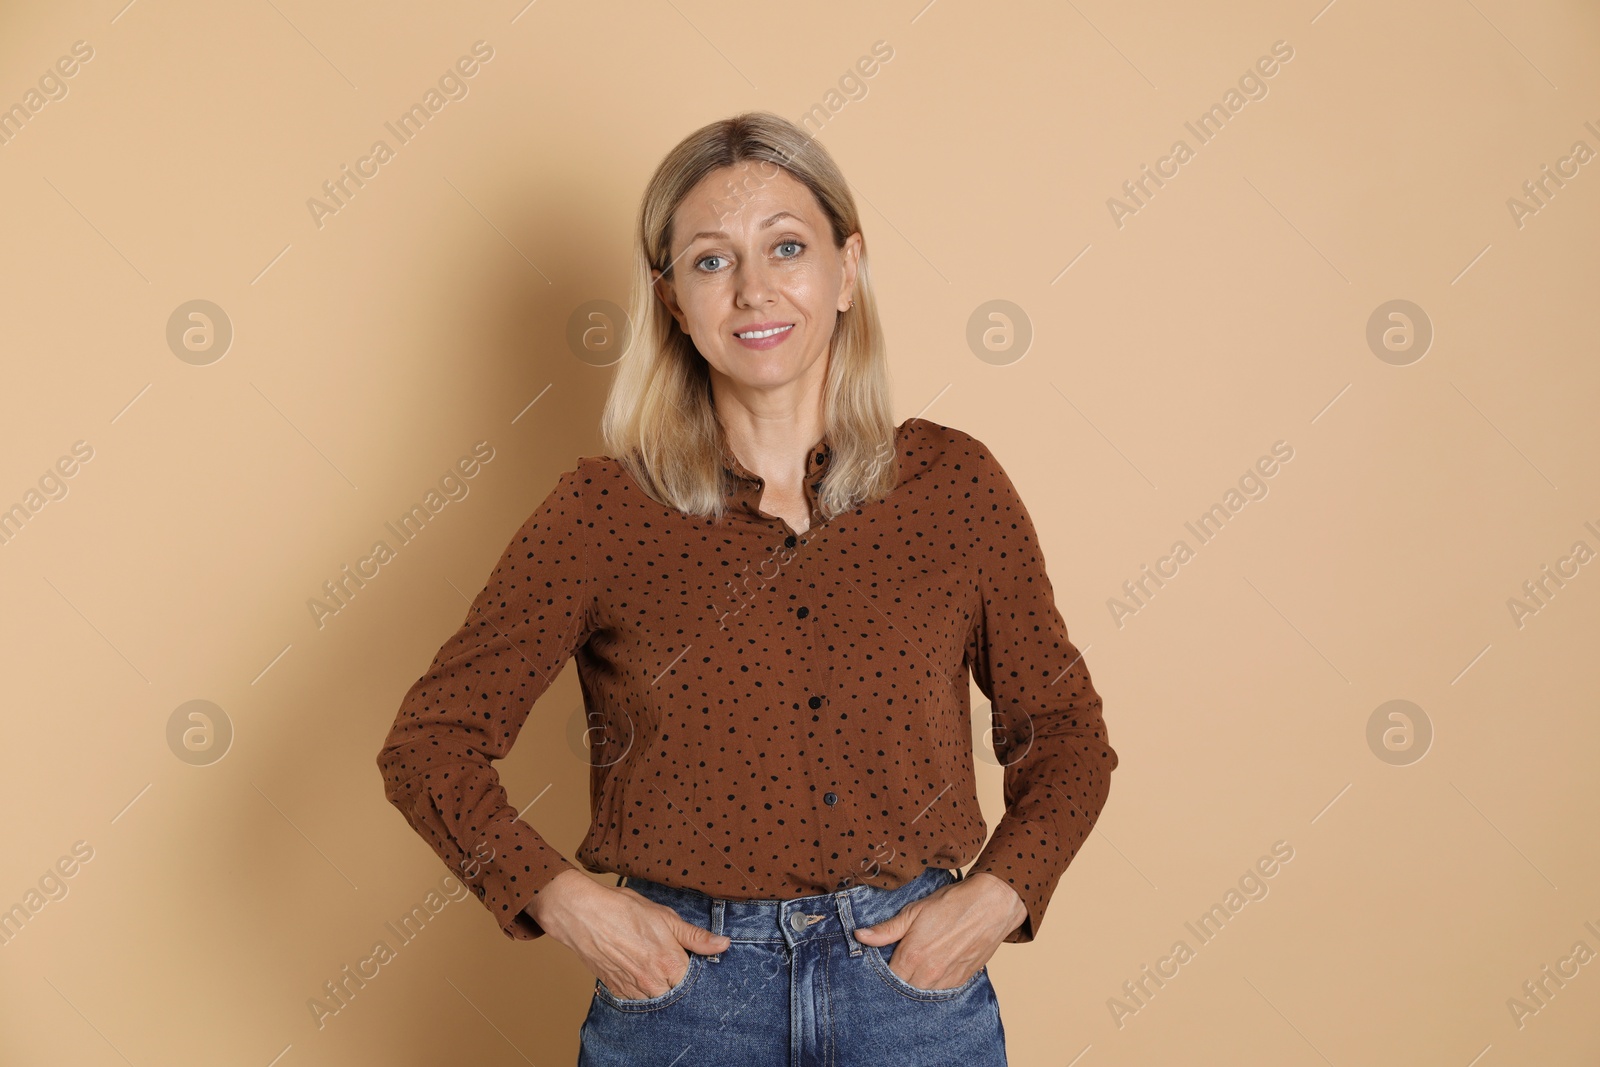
column 797, row 921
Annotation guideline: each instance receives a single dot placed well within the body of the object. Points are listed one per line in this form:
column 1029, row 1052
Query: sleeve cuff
column 1030, row 858
column 522, row 865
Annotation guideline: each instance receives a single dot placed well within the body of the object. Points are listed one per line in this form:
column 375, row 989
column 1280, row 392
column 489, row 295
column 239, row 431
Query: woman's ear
column 667, row 294
column 852, row 259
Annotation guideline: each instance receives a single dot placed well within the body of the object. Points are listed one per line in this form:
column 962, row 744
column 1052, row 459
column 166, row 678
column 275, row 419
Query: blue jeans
column 794, row 988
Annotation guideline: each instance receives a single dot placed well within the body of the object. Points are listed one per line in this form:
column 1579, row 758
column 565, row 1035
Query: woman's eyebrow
column 766, row 222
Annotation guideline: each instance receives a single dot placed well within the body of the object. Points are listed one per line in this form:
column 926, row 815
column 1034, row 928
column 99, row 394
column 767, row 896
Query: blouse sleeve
column 467, row 709
column 1049, row 735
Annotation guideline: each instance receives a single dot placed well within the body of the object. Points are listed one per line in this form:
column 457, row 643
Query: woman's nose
column 753, row 285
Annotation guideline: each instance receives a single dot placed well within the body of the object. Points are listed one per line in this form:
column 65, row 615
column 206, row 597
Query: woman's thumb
column 701, row 940
column 890, row 930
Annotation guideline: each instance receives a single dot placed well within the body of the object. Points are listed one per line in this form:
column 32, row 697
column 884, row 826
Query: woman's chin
column 761, row 370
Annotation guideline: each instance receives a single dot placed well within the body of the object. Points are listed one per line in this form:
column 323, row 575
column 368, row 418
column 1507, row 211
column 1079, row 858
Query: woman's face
column 752, row 250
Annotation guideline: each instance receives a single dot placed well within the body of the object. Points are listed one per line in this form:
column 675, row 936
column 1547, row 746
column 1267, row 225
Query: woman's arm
column 1049, row 734
column 467, row 709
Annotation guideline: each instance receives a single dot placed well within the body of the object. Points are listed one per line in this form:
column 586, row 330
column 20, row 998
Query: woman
column 774, row 596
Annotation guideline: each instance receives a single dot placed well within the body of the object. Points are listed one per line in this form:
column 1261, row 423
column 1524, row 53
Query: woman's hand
column 637, row 947
column 947, row 936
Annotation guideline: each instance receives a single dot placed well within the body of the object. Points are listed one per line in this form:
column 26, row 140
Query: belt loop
column 847, row 921
column 718, row 907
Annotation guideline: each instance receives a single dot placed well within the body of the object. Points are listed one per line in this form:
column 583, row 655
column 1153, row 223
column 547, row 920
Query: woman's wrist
column 553, row 903
column 1019, row 909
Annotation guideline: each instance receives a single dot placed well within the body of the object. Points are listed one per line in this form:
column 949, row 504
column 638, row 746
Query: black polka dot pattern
column 771, row 713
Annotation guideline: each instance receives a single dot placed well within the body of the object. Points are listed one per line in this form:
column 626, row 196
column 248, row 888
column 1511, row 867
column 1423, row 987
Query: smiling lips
column 764, row 334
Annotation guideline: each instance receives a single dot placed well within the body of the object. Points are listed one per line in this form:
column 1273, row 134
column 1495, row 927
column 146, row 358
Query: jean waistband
column 796, row 919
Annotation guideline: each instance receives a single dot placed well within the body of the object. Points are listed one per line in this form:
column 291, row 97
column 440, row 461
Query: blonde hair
column 659, row 420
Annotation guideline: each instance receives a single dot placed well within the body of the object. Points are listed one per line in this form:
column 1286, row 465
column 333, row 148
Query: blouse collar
column 745, row 486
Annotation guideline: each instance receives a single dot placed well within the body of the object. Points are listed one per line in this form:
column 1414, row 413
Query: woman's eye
column 798, row 246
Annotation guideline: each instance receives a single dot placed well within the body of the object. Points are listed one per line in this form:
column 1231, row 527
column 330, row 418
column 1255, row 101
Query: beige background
column 430, row 313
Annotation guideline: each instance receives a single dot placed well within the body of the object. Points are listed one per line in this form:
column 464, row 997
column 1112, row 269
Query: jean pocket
column 880, row 963
column 655, row 1003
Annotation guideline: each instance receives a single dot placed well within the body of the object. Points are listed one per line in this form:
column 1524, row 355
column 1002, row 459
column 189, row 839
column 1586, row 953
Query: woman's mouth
column 764, row 335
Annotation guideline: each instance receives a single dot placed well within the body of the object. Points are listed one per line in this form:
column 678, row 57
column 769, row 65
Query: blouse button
column 789, row 541
column 831, row 798
column 815, row 702
column 803, row 612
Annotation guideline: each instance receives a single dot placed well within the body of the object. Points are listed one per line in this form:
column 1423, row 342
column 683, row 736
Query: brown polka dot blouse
column 770, row 715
